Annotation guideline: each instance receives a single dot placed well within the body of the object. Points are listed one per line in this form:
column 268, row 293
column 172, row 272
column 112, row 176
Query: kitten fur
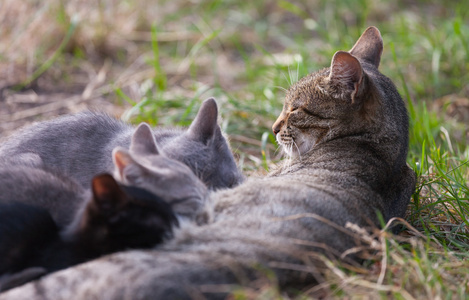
column 345, row 128
column 142, row 166
column 49, row 189
column 115, row 219
column 80, row 146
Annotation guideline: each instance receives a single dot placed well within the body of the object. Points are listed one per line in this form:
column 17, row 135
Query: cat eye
column 313, row 114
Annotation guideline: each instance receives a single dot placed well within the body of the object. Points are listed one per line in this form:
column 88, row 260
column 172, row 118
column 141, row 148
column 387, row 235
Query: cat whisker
column 290, row 75
column 280, row 87
column 287, row 163
column 299, row 153
column 297, row 70
column 278, row 148
column 288, row 152
column 285, row 76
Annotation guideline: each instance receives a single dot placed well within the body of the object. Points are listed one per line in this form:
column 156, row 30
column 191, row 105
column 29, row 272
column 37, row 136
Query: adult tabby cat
column 80, row 146
column 346, row 128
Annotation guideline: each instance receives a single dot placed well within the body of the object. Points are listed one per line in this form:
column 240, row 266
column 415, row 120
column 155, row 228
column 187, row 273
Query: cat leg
column 399, row 196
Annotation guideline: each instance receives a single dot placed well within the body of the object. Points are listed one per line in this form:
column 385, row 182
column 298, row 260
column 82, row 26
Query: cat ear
column 143, row 141
column 127, row 170
column 108, row 197
column 369, row 46
column 347, row 72
column 205, row 124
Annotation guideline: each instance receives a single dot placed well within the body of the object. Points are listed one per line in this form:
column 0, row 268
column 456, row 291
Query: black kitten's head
column 119, row 217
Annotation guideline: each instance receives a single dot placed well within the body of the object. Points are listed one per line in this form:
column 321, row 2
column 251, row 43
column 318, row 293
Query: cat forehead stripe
column 311, row 80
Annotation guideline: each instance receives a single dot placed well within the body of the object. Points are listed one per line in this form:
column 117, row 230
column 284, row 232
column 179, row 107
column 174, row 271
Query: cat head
column 334, row 102
column 205, row 150
column 123, row 217
column 171, row 180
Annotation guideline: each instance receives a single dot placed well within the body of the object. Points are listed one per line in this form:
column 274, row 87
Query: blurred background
column 157, row 60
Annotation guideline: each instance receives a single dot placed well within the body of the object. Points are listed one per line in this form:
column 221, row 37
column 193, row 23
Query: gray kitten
column 80, row 146
column 345, row 128
column 144, row 166
column 27, row 180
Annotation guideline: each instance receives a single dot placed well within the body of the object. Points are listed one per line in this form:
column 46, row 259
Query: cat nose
column 277, row 126
column 275, row 130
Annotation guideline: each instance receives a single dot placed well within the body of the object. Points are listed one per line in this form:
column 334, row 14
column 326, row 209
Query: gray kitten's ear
column 126, row 169
column 347, row 72
column 205, row 124
column 369, row 46
column 143, row 141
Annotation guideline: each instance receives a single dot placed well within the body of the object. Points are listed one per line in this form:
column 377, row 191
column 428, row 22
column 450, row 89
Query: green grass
column 246, row 53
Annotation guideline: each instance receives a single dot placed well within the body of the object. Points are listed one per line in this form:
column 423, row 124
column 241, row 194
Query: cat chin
column 292, row 151
column 298, row 149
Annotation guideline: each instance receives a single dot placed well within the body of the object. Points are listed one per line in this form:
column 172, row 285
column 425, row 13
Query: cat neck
column 355, row 158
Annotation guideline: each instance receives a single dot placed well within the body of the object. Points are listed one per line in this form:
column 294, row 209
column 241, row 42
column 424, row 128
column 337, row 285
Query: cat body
column 115, row 219
column 345, row 128
column 80, row 146
column 59, row 195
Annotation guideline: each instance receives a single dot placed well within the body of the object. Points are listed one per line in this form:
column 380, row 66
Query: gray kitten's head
column 145, row 167
column 205, row 150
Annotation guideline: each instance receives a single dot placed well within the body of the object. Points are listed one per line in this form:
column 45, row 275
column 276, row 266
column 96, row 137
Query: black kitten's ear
column 107, row 195
column 143, row 141
column 347, row 72
column 369, row 46
column 205, row 124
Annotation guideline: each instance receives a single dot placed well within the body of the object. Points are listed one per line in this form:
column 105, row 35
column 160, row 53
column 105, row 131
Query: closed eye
column 310, row 113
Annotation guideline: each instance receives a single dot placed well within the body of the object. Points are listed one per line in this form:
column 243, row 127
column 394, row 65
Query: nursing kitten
column 346, row 129
column 116, row 218
column 80, row 146
column 143, row 166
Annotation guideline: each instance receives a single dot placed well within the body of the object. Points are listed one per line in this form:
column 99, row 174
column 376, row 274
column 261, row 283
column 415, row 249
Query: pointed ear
column 143, row 141
column 108, row 197
column 205, row 124
column 127, row 170
column 369, row 46
column 346, row 71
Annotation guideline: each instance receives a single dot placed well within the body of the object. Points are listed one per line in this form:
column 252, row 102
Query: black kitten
column 114, row 219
